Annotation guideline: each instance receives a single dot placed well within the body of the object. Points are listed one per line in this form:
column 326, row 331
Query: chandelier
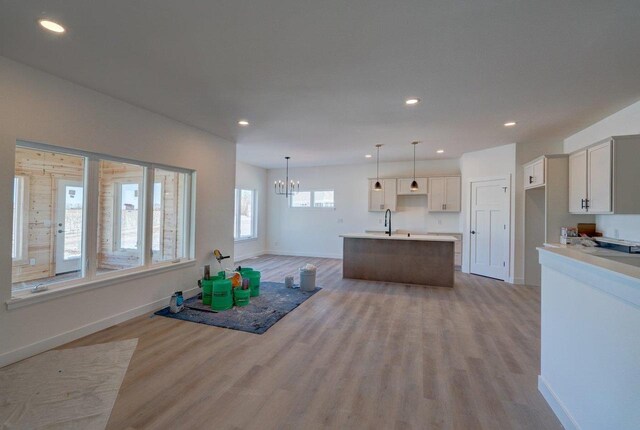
column 286, row 188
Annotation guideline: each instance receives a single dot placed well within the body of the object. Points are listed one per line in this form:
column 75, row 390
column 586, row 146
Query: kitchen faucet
column 388, row 212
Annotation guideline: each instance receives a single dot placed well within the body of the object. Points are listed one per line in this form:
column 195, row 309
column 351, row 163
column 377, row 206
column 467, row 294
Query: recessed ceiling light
column 368, row 156
column 440, row 151
column 243, row 122
column 412, row 101
column 51, row 26
column 510, row 124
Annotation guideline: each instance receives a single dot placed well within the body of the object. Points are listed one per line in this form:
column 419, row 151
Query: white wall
column 492, row 162
column 39, row 107
column 253, row 178
column 624, row 122
column 315, row 232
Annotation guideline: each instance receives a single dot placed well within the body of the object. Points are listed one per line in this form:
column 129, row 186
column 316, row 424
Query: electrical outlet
column 439, row 222
column 32, row 262
column 340, row 220
column 380, row 221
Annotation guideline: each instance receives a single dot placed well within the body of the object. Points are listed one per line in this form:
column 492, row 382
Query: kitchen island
column 401, row 258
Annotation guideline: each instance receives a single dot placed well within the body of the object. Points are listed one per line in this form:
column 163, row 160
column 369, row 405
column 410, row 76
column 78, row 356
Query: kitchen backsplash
column 619, row 226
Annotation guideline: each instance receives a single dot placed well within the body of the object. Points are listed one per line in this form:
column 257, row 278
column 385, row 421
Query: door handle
column 473, row 232
column 60, row 231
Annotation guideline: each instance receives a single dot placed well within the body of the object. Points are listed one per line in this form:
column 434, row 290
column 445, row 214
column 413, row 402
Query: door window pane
column 47, row 219
column 129, row 207
column 120, row 216
column 170, row 208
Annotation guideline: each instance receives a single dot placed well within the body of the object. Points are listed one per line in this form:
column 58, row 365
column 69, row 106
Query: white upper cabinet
column 578, row 182
column 604, row 178
column 404, row 187
column 444, row 194
column 599, row 186
column 534, row 173
column 380, row 201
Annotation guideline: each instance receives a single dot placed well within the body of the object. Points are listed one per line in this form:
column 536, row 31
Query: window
column 323, row 199
column 139, row 215
column 244, row 224
column 120, row 215
column 49, row 211
column 301, row 200
column 169, row 215
column 313, row 199
column 20, row 221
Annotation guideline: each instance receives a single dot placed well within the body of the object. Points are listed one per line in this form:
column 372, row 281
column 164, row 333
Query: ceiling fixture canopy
column 378, row 185
column 286, row 188
column 414, row 183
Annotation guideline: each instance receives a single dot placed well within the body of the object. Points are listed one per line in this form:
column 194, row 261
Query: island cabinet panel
column 429, row 263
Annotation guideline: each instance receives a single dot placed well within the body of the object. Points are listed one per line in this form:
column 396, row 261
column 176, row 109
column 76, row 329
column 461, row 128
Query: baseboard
column 518, row 281
column 71, row 335
column 249, row 255
column 556, row 405
column 302, row 254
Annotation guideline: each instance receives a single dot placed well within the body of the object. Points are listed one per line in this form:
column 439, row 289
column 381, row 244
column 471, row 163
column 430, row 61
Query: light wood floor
column 358, row 354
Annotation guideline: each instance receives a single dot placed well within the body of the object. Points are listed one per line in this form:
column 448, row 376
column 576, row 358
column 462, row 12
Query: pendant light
column 414, row 184
column 378, row 185
column 286, row 188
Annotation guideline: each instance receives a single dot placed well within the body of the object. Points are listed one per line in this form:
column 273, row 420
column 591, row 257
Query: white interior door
column 489, row 228
column 69, row 209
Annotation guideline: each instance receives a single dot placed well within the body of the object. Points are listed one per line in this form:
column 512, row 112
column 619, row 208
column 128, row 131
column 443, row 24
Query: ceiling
column 324, row 81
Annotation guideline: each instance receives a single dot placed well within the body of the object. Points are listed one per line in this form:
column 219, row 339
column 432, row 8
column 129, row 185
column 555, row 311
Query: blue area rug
column 273, row 303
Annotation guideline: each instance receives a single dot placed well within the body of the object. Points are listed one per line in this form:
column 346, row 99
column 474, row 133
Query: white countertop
column 398, row 236
column 621, row 263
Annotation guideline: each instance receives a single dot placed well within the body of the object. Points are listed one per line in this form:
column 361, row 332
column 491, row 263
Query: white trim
column 302, row 254
column 102, row 281
column 71, row 335
column 556, row 405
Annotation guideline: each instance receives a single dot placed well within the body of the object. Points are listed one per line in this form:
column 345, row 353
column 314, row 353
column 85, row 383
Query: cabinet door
column 452, row 194
column 538, row 173
column 599, row 178
column 578, row 182
column 376, row 198
column 528, row 176
column 404, row 186
column 389, row 186
column 436, row 194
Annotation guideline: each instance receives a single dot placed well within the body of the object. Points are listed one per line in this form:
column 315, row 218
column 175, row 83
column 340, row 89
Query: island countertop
column 400, row 236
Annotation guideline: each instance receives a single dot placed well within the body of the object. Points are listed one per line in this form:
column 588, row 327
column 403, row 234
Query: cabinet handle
column 586, row 204
column 445, row 206
column 531, row 179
